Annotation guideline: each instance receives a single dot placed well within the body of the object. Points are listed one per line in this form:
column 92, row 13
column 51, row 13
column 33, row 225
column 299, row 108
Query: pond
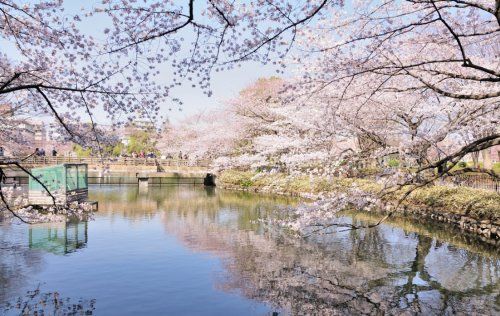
column 189, row 250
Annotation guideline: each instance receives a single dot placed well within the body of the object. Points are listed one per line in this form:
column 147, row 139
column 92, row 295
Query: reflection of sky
column 401, row 245
column 456, row 269
column 393, row 245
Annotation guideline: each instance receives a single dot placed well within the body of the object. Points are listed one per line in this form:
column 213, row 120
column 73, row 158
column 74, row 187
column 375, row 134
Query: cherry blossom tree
column 374, row 80
column 407, row 78
column 205, row 135
column 446, row 50
column 61, row 69
column 254, row 130
column 56, row 67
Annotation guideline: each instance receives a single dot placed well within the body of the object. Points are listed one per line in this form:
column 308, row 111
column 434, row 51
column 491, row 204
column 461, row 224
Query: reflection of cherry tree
column 176, row 201
column 361, row 272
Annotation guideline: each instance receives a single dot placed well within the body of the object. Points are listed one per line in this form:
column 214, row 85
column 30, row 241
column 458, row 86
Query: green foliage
column 463, row 164
column 236, row 178
column 369, row 171
column 117, row 150
column 471, row 164
column 141, row 141
column 246, row 183
column 496, row 167
column 458, row 166
column 293, row 184
column 393, row 162
column 82, row 152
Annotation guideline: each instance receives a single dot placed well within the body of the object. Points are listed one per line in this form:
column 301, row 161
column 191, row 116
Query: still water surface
column 194, row 251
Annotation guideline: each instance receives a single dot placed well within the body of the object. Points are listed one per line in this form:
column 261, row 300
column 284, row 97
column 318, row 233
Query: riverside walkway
column 95, row 161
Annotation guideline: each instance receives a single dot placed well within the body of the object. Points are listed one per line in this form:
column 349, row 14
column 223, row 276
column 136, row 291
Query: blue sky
column 225, row 85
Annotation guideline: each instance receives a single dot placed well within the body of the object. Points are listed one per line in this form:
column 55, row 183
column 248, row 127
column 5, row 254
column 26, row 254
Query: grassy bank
column 478, row 204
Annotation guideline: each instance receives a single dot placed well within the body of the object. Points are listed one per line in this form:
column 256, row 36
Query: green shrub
column 393, row 162
column 82, row 152
column 459, row 200
column 496, row 167
column 246, row 183
column 369, row 171
column 234, row 177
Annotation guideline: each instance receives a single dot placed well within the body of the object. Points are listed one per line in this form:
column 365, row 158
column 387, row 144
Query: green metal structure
column 66, row 182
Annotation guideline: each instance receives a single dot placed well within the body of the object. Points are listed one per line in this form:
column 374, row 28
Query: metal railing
column 50, row 160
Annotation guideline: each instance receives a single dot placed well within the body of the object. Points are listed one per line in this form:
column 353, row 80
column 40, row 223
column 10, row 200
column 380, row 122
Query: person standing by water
column 54, row 152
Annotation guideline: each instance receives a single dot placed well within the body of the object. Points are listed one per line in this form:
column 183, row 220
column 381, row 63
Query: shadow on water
column 400, row 266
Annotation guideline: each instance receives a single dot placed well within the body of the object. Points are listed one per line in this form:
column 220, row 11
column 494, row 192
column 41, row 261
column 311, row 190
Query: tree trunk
column 475, row 159
column 497, row 10
column 486, row 153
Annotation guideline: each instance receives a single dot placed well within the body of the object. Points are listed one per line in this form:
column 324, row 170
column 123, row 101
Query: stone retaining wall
column 488, row 230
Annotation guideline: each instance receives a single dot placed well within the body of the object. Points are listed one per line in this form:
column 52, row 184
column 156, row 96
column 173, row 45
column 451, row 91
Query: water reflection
column 58, row 238
column 366, row 271
column 21, row 253
column 130, row 203
column 17, row 262
column 164, row 235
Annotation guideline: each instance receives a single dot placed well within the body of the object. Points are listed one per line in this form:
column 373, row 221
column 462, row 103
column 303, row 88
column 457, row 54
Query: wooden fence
column 477, row 181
